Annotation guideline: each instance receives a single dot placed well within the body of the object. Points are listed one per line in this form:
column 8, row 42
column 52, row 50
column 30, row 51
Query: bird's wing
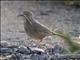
column 41, row 28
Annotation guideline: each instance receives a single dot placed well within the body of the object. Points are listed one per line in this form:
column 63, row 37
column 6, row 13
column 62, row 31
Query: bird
column 38, row 31
column 34, row 29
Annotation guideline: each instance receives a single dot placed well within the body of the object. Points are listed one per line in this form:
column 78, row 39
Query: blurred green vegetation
column 73, row 2
column 73, row 46
column 65, row 2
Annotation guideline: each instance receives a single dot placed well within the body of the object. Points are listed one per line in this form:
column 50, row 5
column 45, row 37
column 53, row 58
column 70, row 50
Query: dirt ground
column 54, row 16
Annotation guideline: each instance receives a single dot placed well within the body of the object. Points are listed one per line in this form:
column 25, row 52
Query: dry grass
column 73, row 46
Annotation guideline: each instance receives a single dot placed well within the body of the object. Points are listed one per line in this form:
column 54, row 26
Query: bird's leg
column 41, row 44
column 40, row 40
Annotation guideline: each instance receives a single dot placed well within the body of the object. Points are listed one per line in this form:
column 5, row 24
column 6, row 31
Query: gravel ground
column 53, row 15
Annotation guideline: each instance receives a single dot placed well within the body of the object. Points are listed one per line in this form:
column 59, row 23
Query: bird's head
column 26, row 14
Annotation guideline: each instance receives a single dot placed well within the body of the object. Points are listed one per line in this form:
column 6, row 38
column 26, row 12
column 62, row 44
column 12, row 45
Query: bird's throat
column 28, row 19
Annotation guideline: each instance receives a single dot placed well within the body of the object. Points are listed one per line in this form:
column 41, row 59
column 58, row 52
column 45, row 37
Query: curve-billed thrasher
column 33, row 28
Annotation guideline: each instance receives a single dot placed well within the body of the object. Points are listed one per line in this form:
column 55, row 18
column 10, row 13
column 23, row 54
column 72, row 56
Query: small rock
column 4, row 44
column 6, row 50
column 5, row 57
column 36, row 50
column 23, row 50
column 39, row 57
column 57, row 50
column 16, row 56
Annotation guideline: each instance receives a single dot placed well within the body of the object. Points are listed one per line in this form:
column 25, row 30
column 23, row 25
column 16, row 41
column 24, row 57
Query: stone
column 57, row 50
column 39, row 57
column 23, row 50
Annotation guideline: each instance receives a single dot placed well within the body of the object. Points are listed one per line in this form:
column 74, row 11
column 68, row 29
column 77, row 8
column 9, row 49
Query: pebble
column 31, row 53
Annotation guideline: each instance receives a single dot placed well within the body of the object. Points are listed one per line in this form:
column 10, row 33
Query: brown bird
column 34, row 29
